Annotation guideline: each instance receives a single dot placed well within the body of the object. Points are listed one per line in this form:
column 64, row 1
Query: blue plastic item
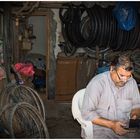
column 103, row 69
column 126, row 15
column 39, row 82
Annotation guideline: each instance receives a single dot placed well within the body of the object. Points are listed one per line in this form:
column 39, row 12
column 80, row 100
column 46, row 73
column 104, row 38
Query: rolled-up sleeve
column 91, row 100
column 136, row 96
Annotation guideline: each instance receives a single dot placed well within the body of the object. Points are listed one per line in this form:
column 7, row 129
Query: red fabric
column 25, row 69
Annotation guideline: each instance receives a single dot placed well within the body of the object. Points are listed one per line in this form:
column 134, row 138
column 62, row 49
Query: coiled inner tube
column 84, row 27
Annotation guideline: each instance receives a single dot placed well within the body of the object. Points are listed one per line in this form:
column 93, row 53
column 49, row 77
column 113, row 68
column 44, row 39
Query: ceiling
column 26, row 7
column 23, row 8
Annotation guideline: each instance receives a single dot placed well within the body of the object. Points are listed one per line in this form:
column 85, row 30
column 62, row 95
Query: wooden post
column 48, row 45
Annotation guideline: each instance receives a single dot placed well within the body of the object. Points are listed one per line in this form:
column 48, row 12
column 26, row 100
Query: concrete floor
column 59, row 119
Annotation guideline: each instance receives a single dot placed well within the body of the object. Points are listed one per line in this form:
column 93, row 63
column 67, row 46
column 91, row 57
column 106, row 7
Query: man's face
column 122, row 76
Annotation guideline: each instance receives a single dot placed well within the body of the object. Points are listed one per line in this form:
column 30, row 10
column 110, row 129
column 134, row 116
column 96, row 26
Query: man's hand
column 118, row 128
column 135, row 113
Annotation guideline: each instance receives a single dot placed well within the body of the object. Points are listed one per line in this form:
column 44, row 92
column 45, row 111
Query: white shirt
column 104, row 99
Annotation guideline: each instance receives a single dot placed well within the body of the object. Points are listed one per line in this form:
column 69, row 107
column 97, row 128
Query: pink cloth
column 25, row 69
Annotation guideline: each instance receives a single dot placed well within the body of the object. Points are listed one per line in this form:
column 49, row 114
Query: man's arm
column 135, row 112
column 116, row 126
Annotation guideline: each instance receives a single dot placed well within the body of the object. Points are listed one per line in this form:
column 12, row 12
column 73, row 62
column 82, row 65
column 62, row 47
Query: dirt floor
column 59, row 119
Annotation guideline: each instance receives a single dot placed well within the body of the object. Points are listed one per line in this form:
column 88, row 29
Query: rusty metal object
column 20, row 93
column 22, row 120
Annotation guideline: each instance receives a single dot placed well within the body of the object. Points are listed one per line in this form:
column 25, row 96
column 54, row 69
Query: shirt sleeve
column 91, row 100
column 136, row 96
